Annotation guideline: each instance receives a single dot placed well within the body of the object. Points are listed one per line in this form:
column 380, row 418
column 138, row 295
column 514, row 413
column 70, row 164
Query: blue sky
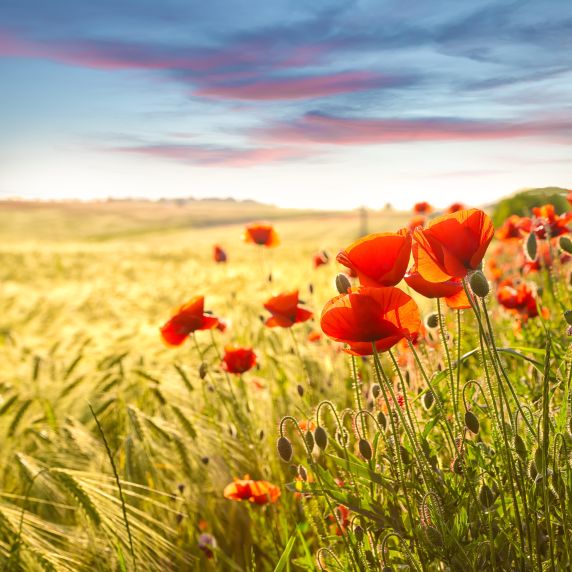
column 326, row 104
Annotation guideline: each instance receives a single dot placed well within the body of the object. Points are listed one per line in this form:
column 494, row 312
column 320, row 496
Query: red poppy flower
column 417, row 220
column 378, row 259
column 452, row 244
column 422, row 208
column 366, row 315
column 238, row 360
column 513, row 228
column 285, row 310
column 455, row 207
column 261, row 233
column 320, row 258
column 219, row 255
column 452, row 290
column 188, row 318
column 257, row 492
column 518, row 297
column 314, row 336
column 546, row 223
column 222, row 325
column 341, row 519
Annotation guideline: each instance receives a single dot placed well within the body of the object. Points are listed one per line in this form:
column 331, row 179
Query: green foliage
column 522, row 202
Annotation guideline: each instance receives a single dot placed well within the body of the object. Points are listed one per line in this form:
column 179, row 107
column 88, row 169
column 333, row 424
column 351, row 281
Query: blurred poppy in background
column 422, row 208
column 219, row 255
column 261, row 233
column 320, row 258
column 285, row 310
column 238, row 360
column 256, row 492
column 187, row 319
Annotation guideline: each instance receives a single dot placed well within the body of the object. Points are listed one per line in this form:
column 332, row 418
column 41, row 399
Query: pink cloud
column 323, row 129
column 298, row 87
column 219, row 156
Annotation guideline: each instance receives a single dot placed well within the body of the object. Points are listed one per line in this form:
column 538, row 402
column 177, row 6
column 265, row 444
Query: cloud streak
column 318, row 128
column 217, row 156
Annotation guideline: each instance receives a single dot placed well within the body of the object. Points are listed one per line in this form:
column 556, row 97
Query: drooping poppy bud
column 321, row 437
column 284, row 449
column 479, row 284
column 343, row 283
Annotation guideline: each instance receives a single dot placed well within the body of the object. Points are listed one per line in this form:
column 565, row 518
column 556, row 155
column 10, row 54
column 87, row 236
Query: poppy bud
column 365, row 449
column 294, row 469
column 284, row 449
column 531, row 246
column 303, row 473
column 457, row 465
column 568, row 317
column 375, row 390
column 181, row 488
column 261, row 434
column 479, row 284
column 205, row 460
column 565, row 244
column 432, row 320
column 309, row 438
column 405, row 456
column 520, row 446
column 343, row 283
column 358, row 531
column 270, row 277
column 300, row 390
column 486, row 496
column 203, row 370
column 179, row 518
column 428, row 399
column 311, row 288
column 539, row 460
column 471, row 422
column 532, row 471
column 321, row 437
column 382, row 420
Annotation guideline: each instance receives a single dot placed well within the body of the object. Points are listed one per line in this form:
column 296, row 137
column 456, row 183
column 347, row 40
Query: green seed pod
column 382, row 420
column 343, row 283
column 375, row 390
column 432, row 320
column 532, row 470
column 428, row 399
column 486, row 496
column 365, row 449
column 457, row 465
column 479, row 284
column 565, row 244
column 568, row 317
column 321, row 437
column 309, row 438
column 284, row 449
column 539, row 460
column 471, row 422
column 520, row 447
column 531, row 246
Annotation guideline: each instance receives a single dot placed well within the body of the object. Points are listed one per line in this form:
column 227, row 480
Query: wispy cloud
column 318, row 128
column 215, row 156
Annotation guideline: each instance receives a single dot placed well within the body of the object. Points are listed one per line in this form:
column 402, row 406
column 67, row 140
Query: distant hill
column 522, row 202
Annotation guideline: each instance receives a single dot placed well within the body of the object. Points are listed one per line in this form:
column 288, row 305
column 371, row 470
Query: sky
column 315, row 104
